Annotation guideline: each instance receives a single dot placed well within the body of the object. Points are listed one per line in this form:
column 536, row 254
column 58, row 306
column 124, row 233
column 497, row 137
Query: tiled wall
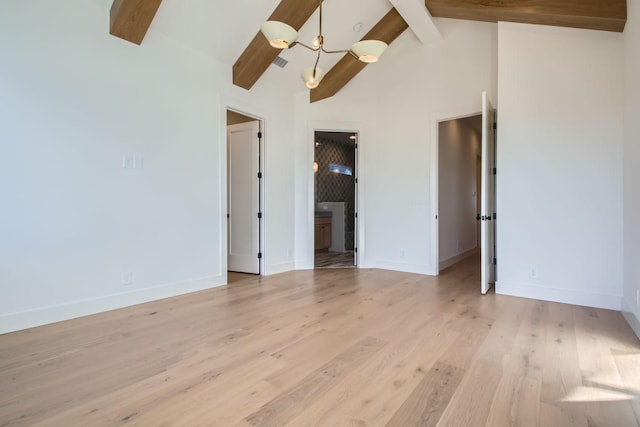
column 334, row 187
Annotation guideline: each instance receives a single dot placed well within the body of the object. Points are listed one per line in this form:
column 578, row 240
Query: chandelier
column 284, row 36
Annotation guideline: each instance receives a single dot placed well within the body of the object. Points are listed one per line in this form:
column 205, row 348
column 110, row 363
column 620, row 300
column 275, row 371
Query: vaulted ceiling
column 130, row 20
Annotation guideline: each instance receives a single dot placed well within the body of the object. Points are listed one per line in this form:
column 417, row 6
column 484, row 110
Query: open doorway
column 244, row 193
column 335, row 196
column 459, row 176
column 457, row 186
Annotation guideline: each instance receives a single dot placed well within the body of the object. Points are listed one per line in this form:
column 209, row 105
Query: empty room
column 162, row 221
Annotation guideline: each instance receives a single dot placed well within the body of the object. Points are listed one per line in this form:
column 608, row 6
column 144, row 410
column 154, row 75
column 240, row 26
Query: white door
column 243, row 150
column 488, row 200
column 355, row 201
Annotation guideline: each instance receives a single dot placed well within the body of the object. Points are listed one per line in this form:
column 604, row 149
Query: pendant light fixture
column 284, row 36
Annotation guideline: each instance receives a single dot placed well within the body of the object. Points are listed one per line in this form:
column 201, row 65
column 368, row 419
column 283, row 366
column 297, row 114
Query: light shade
column 309, row 79
column 279, row 34
column 369, row 50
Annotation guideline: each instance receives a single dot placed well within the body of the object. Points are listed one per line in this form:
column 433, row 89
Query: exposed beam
column 419, row 20
column 130, row 19
column 387, row 30
column 608, row 15
column 257, row 57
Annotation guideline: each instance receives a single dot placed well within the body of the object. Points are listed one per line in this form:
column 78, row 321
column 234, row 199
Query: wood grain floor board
column 427, row 401
column 332, row 347
column 286, row 406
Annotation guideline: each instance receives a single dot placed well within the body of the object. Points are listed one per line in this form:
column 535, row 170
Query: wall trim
column 457, row 258
column 404, row 267
column 304, row 265
column 566, row 296
column 12, row 322
column 280, row 268
column 631, row 318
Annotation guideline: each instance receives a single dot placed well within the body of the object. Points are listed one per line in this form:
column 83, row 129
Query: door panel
column 487, row 228
column 243, row 197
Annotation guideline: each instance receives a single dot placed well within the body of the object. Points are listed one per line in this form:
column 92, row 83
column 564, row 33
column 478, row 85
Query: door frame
column 435, row 177
column 261, row 190
column 344, row 127
column 356, row 183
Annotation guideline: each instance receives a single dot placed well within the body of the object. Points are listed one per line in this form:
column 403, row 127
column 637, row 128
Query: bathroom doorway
column 335, row 196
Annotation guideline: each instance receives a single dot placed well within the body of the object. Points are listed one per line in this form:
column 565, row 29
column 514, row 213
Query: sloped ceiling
column 225, row 30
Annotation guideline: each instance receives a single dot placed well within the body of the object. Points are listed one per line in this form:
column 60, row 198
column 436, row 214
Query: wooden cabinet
column 322, row 233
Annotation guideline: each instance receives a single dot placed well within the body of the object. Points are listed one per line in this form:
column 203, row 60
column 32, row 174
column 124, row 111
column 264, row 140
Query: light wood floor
column 326, row 259
column 328, row 347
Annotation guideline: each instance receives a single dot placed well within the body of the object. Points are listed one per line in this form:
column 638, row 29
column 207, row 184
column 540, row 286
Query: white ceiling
column 222, row 29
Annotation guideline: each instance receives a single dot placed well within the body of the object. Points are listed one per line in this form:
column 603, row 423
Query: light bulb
column 311, row 76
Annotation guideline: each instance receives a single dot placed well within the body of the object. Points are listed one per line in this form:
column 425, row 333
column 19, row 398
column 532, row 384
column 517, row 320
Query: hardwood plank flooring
column 326, row 259
column 330, row 347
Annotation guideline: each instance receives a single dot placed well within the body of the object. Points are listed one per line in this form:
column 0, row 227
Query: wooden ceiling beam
column 607, row 15
column 386, row 30
column 130, row 19
column 257, row 57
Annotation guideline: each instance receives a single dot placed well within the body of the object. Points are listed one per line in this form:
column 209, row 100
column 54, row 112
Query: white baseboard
column 307, row 264
column 567, row 296
column 11, row 322
column 405, row 267
column 280, row 268
column 631, row 318
column 457, row 258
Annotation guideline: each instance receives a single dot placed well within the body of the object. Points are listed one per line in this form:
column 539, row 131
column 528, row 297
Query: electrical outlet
column 126, row 278
column 533, row 273
column 127, row 162
column 137, row 163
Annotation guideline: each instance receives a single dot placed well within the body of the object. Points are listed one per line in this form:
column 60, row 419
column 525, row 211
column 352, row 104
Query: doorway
column 244, row 193
column 453, row 189
column 459, row 155
column 335, row 199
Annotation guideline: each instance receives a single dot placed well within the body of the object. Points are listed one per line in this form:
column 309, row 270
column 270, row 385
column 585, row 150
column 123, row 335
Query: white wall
column 396, row 104
column 458, row 151
column 418, row 86
column 559, row 157
column 73, row 101
column 632, row 165
column 353, row 109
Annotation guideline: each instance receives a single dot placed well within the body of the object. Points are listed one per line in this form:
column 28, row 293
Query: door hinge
column 260, row 134
column 356, row 145
column 495, row 261
column 356, row 180
column 355, row 250
column 356, row 214
column 494, row 171
column 259, row 255
column 227, row 216
column 259, row 175
column 494, row 215
column 259, row 215
column 495, row 125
